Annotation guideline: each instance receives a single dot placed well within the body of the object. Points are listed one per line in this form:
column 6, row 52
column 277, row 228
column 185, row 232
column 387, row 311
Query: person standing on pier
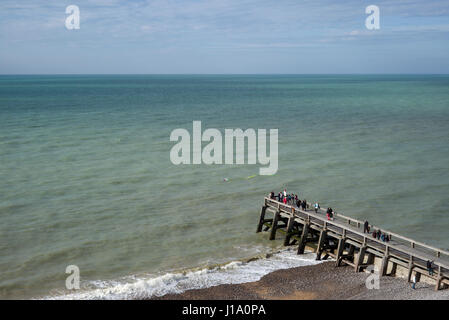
column 330, row 214
column 366, row 227
column 317, row 207
column 304, row 205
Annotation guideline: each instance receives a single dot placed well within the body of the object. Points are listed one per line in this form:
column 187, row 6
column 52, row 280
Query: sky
column 223, row 37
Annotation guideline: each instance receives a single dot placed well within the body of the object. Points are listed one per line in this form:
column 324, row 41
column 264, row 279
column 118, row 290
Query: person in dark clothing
column 374, row 234
column 304, row 205
column 328, row 213
column 378, row 234
column 366, row 227
column 298, row 203
column 429, row 267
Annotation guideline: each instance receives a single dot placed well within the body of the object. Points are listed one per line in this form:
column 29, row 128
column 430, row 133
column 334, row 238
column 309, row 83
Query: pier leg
column 360, row 258
column 320, row 246
column 370, row 259
column 410, row 271
column 274, row 225
column 341, row 246
column 291, row 222
column 439, row 278
column 394, row 268
column 383, row 266
column 351, row 251
column 262, row 218
column 302, row 241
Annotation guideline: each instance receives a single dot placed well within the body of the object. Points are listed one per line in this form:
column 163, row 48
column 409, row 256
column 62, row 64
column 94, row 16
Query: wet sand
column 318, row 282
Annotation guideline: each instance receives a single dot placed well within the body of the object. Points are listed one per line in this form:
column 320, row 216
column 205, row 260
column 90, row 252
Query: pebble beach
column 316, row 282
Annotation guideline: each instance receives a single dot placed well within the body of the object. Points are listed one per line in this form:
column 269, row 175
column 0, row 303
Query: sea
column 86, row 177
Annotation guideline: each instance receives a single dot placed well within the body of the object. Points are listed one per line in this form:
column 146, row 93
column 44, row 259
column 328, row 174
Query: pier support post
column 360, row 258
column 370, row 259
column 351, row 251
column 275, row 225
column 439, row 278
column 291, row 222
column 262, row 218
column 341, row 246
column 410, row 271
column 394, row 268
column 302, row 241
column 438, row 284
column 320, row 246
column 383, row 266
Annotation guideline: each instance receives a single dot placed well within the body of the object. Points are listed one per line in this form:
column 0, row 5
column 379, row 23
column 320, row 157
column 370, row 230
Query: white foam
column 231, row 273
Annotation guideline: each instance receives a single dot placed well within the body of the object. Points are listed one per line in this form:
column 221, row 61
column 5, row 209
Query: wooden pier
column 344, row 240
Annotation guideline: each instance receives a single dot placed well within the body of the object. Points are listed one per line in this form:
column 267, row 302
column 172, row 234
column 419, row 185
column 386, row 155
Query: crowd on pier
column 293, row 200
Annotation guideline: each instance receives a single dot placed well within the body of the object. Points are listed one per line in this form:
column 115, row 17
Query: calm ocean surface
column 86, row 179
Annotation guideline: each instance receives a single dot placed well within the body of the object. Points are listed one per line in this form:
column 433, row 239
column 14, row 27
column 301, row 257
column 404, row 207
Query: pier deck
column 344, row 240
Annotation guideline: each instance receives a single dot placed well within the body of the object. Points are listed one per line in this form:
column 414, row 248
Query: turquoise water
column 86, row 179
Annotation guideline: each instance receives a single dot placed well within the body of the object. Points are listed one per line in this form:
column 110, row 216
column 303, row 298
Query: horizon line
column 200, row 74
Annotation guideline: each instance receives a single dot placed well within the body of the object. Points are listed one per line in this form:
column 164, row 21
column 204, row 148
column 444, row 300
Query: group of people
column 377, row 234
column 290, row 199
column 293, row 199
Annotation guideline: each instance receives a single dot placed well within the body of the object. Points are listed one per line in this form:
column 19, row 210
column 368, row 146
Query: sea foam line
column 178, row 282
